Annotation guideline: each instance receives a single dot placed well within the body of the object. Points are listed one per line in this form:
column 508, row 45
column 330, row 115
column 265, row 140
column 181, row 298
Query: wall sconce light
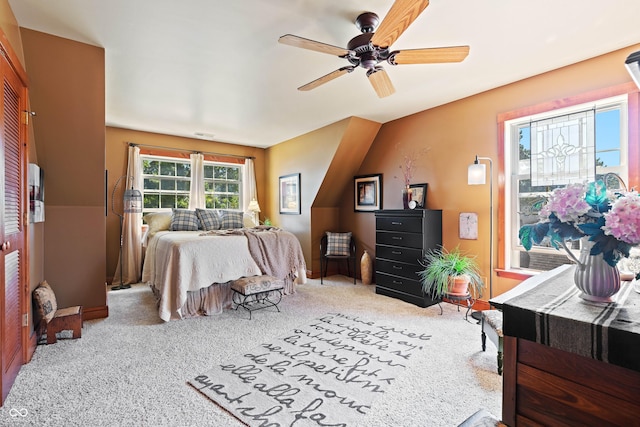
column 477, row 175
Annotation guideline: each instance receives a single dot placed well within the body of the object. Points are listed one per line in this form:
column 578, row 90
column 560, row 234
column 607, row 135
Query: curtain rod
column 133, row 144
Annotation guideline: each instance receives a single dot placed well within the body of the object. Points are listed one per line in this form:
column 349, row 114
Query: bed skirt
column 217, row 297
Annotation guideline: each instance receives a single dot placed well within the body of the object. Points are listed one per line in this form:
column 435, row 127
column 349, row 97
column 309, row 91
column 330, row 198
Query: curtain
column 249, row 190
column 196, row 197
column 131, row 260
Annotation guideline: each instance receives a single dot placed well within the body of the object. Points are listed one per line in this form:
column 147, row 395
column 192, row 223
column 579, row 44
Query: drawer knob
column 396, row 223
column 396, row 252
column 397, row 238
column 397, row 282
column 396, row 267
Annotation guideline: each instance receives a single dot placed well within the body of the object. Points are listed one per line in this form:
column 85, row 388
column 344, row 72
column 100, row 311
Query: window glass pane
column 220, row 172
column 183, row 169
column 183, row 185
column 168, row 201
column 168, row 169
column 182, row 202
column 168, row 184
column 151, row 201
column 150, row 167
column 220, row 187
column 151, row 184
column 208, row 171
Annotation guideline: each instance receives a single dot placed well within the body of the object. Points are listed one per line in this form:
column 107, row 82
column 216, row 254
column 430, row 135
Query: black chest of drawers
column 403, row 236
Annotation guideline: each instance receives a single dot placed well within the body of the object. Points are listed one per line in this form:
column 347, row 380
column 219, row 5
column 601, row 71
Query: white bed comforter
column 177, row 262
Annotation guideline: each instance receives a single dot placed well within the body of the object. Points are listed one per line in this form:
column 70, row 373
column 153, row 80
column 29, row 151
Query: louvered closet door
column 12, row 232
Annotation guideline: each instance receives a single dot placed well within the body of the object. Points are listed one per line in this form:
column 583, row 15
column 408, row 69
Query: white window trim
column 512, row 241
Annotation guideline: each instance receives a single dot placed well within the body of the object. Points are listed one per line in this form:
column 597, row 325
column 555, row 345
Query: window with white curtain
column 571, row 131
column 167, row 183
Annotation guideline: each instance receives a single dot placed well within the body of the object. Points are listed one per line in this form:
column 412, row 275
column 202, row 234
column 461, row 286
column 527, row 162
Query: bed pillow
column 231, row 219
column 184, row 220
column 338, row 243
column 209, row 219
column 157, row 221
column 45, row 301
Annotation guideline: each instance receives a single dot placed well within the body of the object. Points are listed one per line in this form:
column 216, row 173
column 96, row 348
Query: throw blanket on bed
column 278, row 254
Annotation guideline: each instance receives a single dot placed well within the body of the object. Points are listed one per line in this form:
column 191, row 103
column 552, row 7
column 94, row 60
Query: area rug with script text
column 328, row 372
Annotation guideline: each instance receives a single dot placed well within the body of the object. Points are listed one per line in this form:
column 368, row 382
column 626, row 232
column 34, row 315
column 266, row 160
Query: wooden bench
column 51, row 319
column 256, row 292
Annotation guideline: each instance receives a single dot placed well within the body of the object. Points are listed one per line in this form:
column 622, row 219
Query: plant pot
column 458, row 285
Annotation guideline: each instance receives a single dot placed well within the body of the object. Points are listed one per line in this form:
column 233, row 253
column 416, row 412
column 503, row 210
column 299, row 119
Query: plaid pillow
column 338, row 243
column 232, row 219
column 209, row 219
column 184, row 220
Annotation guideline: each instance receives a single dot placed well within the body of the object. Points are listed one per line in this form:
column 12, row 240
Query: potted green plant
column 445, row 269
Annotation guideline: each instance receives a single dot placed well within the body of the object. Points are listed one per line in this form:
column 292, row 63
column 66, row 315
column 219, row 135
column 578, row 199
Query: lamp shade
column 132, row 201
column 253, row 206
column 477, row 174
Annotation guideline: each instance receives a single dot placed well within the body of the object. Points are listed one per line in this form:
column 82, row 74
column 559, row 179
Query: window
column 524, row 198
column 167, row 183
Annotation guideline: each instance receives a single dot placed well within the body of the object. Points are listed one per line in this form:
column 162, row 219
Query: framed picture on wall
column 36, row 193
column 419, row 195
column 290, row 194
column 368, row 193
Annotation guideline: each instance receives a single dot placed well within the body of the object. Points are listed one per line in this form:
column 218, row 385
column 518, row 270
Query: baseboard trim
column 91, row 313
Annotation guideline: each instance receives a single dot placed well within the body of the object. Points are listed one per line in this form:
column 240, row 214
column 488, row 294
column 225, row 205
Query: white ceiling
column 216, row 67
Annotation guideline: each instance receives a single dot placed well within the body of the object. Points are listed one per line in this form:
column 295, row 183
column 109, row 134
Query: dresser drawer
column 399, row 223
column 408, row 255
column 409, row 271
column 395, row 238
column 397, row 283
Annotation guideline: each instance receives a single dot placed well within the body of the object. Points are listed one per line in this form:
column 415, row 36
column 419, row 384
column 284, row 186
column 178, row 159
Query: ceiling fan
column 370, row 48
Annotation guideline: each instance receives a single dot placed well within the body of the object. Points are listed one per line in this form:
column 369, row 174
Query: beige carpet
column 131, row 369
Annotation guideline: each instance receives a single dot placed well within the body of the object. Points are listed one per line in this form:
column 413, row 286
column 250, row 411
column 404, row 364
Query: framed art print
column 419, row 195
column 469, row 225
column 289, row 186
column 367, row 193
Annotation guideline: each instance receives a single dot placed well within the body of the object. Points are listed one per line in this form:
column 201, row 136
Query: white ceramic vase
column 597, row 280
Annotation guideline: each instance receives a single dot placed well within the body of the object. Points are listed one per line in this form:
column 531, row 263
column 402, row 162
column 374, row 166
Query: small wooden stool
column 254, row 293
column 52, row 319
column 492, row 328
column 65, row 319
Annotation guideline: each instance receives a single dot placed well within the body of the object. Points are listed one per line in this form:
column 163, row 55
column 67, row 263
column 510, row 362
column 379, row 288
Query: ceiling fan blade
column 429, row 55
column 296, row 41
column 380, row 81
column 326, row 78
column 398, row 19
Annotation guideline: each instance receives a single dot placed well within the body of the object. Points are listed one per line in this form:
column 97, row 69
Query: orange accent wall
column 455, row 133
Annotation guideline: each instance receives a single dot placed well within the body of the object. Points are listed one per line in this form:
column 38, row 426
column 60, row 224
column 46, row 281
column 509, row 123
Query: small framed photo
column 290, row 194
column 419, row 195
column 368, row 193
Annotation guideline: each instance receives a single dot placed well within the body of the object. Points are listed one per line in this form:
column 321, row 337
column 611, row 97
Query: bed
column 190, row 272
